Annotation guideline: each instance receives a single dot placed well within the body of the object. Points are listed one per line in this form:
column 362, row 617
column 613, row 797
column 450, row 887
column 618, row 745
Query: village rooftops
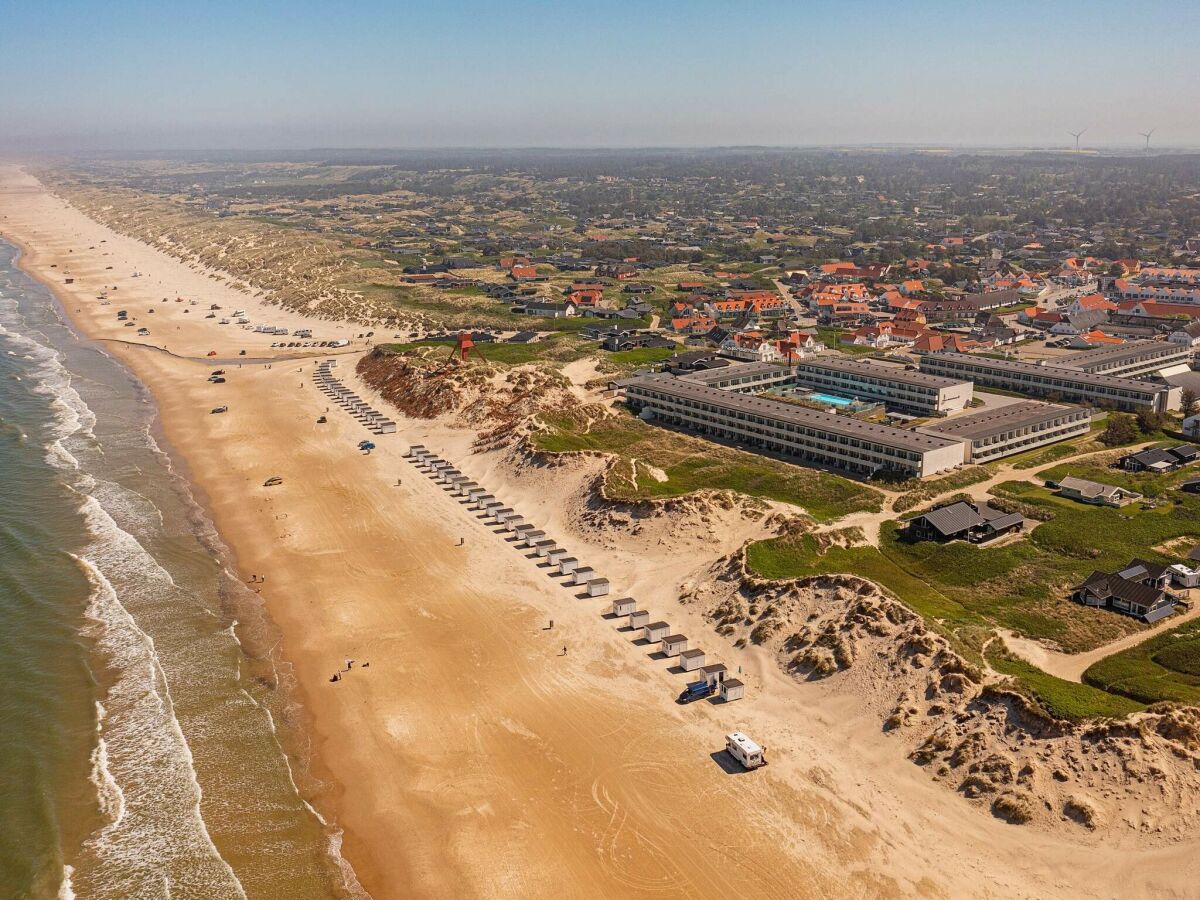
column 791, row 414
column 1001, row 420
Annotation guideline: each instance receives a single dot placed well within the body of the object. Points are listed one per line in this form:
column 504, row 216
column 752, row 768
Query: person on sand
column 564, row 653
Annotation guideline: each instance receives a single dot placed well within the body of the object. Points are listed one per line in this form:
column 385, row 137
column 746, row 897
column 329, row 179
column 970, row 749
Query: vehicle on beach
column 366, row 445
column 216, row 379
column 219, row 409
column 143, row 331
column 272, row 481
column 745, row 751
column 212, row 352
column 321, row 420
column 697, row 690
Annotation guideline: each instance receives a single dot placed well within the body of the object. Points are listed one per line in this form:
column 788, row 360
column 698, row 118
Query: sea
column 149, row 743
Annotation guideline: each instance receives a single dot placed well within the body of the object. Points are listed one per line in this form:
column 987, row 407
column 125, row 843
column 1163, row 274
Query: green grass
column 1024, row 585
column 691, row 464
column 1164, row 668
column 927, row 490
column 1062, row 699
column 552, row 348
column 643, row 356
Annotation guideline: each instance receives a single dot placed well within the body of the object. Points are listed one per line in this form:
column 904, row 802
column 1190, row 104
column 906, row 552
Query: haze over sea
column 143, row 717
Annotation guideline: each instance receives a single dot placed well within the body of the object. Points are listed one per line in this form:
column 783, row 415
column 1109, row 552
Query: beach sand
column 471, row 758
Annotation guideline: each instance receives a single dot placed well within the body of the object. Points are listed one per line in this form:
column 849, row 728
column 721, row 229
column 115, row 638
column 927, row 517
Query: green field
column 552, row 348
column 1166, row 667
column 1025, row 586
column 646, row 453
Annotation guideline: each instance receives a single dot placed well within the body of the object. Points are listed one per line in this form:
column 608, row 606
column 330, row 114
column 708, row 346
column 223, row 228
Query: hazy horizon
column 86, row 76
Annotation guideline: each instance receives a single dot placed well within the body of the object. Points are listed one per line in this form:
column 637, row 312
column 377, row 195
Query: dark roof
column 1106, row 586
column 779, row 411
column 956, row 518
column 1153, row 456
column 1003, row 419
column 1184, row 451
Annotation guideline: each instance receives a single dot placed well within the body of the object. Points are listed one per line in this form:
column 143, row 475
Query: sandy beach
column 471, row 757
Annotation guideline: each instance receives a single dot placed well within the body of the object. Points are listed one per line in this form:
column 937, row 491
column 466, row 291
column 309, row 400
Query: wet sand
column 471, row 758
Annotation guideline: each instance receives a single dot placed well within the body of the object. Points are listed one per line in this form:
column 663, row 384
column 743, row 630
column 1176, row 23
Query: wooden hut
column 639, row 619
column 732, row 689
column 624, row 606
column 674, row 644
column 691, row 660
column 597, row 587
column 584, row 574
column 656, row 631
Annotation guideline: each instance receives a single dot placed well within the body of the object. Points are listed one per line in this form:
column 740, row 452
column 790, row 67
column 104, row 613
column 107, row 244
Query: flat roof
column 879, row 370
column 1130, row 352
column 1075, row 375
column 793, row 414
column 990, row 422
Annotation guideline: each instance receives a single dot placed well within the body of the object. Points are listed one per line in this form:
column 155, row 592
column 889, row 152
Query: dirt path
column 1071, row 666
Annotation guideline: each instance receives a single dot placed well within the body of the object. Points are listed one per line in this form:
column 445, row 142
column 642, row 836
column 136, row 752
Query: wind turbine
column 1146, row 135
column 1076, row 134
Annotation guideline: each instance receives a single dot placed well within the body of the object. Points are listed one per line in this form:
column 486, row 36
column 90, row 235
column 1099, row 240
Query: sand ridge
column 471, row 759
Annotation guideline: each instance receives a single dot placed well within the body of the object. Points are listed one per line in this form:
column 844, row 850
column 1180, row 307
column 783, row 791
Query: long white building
column 824, row 438
column 1013, row 428
column 1054, row 382
column 894, row 386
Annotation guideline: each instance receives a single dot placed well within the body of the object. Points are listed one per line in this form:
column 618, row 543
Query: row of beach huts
column 371, row 419
column 560, row 562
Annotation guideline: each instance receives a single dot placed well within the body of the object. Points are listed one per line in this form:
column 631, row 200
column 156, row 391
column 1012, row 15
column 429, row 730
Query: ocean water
column 143, row 714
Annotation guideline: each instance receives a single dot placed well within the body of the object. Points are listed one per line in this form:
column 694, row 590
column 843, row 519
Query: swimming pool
column 830, row 399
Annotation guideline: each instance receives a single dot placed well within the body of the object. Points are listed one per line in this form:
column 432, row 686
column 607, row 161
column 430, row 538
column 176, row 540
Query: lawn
column 627, row 360
column 656, row 463
column 552, row 348
column 1021, row 586
column 1166, row 667
column 1062, row 699
column 1024, row 586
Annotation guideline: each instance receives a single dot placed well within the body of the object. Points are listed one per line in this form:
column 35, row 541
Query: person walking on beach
column 564, row 653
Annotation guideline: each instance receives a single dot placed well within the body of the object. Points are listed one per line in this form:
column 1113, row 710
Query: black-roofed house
column 1111, row 591
column 962, row 521
column 1151, row 459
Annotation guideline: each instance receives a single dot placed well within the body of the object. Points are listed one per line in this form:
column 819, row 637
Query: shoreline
column 469, row 741
column 258, row 648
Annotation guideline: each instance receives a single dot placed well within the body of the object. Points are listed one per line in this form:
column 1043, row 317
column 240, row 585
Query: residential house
column 1160, row 460
column 1141, row 598
column 973, row 522
column 1094, row 492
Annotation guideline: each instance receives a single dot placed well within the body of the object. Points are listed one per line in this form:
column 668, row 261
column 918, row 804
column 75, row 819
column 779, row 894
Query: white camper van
column 745, row 751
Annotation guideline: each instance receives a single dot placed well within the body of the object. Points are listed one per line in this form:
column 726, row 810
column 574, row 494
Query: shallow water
column 144, row 717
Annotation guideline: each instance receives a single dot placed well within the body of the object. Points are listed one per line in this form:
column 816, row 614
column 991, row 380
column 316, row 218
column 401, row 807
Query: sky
column 264, row 74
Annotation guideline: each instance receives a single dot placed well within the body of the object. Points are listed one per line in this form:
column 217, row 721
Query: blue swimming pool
column 830, row 399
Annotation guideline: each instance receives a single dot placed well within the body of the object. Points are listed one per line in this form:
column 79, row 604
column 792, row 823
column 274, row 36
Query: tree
column 1187, row 402
column 1119, row 430
column 1149, row 421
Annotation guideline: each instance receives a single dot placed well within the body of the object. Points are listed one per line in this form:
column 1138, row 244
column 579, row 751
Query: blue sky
column 123, row 74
